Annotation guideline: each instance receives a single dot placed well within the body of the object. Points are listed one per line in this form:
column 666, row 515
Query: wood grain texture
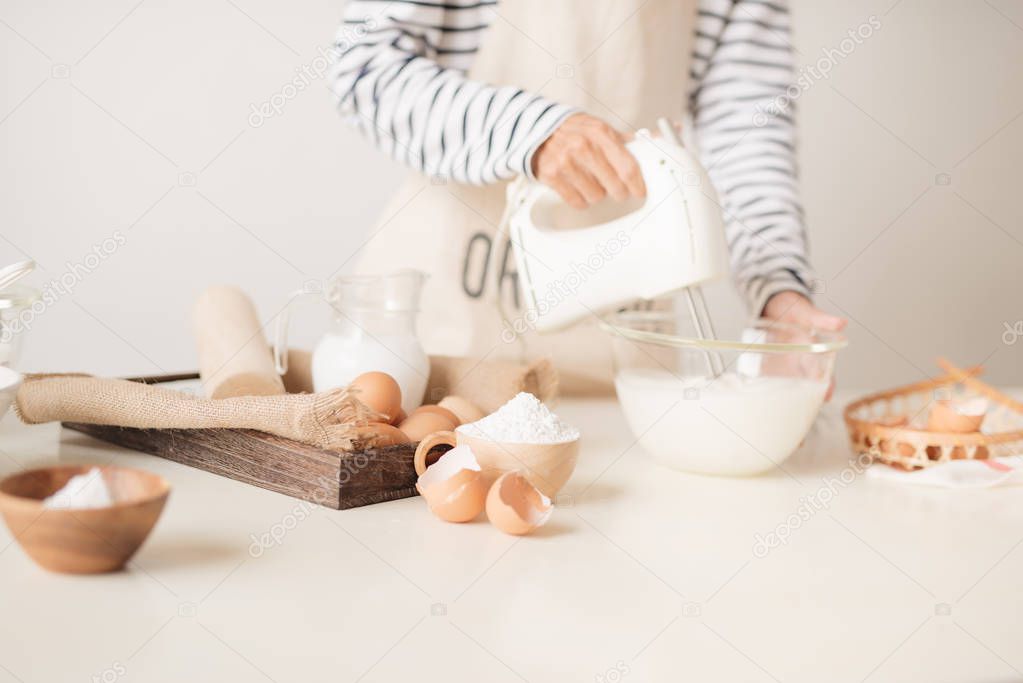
column 335, row 480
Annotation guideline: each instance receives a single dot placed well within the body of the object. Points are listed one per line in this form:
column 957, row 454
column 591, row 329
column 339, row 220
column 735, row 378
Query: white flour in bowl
column 523, row 419
column 82, row 492
column 731, row 425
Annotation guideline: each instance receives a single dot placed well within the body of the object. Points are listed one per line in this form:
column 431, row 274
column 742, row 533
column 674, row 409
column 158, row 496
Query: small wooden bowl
column 82, row 541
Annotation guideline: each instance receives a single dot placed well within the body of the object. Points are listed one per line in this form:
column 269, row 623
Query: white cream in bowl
column 728, row 426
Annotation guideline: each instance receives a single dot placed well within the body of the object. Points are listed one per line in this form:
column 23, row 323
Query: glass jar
column 17, row 313
column 372, row 328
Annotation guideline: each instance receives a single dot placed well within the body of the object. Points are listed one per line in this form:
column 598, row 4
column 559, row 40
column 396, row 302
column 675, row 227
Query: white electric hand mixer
column 674, row 241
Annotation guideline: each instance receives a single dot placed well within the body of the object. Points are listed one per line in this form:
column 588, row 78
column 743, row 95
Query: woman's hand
column 793, row 307
column 585, row 160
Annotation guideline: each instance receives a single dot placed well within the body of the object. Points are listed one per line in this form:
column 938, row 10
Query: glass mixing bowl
column 744, row 419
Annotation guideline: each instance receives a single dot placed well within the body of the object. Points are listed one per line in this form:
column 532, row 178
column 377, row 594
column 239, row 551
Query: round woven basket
column 890, row 425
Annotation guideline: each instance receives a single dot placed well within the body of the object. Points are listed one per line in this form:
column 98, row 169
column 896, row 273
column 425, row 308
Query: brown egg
column 453, row 487
column 889, row 448
column 424, row 422
column 377, row 434
column 399, row 418
column 465, row 410
column 961, row 417
column 437, row 410
column 515, row 506
column 379, row 392
column 902, row 448
column 959, row 453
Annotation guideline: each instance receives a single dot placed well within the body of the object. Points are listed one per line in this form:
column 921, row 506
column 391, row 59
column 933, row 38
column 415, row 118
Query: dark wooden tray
column 328, row 478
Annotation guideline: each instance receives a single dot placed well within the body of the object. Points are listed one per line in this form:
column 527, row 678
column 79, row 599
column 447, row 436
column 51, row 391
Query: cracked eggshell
column 960, row 417
column 453, row 487
column 515, row 506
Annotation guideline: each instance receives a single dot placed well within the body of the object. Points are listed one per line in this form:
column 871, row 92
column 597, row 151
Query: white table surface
column 642, row 574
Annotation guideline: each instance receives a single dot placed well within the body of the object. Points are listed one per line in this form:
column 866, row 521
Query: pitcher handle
column 427, row 444
column 281, row 330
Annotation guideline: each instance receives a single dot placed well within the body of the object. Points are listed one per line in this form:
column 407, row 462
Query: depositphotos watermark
column 1012, row 333
column 275, row 535
column 110, row 674
column 54, row 290
column 614, row 673
column 308, row 74
column 561, row 289
column 810, row 74
column 809, row 506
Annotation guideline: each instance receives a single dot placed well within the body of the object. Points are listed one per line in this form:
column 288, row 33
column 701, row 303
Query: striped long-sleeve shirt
column 400, row 77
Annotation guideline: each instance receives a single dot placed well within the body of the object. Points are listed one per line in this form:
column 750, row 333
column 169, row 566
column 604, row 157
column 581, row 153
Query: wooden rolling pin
column 234, row 358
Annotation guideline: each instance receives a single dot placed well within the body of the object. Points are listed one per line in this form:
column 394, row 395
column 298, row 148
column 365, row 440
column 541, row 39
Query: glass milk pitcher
column 372, row 328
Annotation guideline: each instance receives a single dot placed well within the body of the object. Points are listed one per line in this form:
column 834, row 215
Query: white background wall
column 135, row 117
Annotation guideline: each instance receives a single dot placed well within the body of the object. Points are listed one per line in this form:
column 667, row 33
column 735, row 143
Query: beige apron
column 626, row 61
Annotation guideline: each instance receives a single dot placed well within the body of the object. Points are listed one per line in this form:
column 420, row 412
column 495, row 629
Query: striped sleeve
column 742, row 71
column 399, row 76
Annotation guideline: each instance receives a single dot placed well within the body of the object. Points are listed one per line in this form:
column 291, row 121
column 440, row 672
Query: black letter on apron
column 476, row 292
column 512, row 275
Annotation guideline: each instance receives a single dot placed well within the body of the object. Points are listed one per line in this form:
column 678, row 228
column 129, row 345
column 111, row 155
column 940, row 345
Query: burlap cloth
column 328, row 420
